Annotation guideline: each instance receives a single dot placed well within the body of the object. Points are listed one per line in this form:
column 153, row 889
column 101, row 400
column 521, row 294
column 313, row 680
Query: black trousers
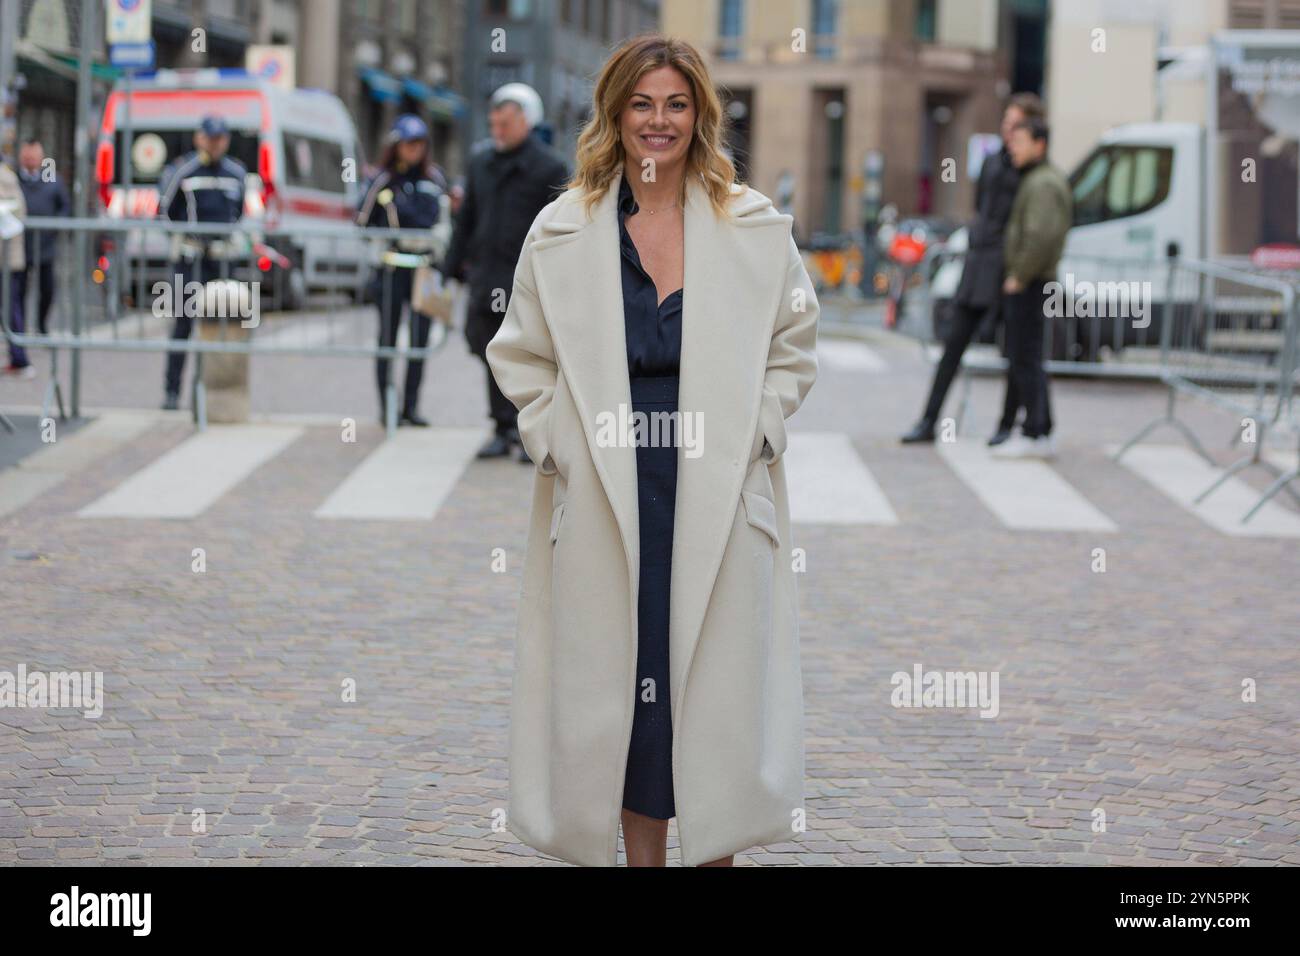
column 394, row 295
column 503, row 412
column 42, row 278
column 1026, row 324
column 966, row 320
column 190, row 270
column 480, row 327
column 17, row 300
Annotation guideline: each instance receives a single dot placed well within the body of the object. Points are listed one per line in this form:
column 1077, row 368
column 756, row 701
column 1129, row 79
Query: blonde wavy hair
column 600, row 153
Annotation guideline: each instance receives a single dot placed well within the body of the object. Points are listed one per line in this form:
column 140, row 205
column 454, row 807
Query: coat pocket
column 761, row 513
column 557, row 515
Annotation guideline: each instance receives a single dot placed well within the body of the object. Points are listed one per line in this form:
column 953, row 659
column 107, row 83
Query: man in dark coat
column 45, row 196
column 979, row 293
column 506, row 186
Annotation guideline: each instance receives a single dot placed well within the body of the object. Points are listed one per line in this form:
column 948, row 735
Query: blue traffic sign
column 133, row 55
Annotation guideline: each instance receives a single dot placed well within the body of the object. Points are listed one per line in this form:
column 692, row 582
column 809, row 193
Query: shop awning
column 445, row 102
column 415, row 89
column 383, row 86
column 64, row 65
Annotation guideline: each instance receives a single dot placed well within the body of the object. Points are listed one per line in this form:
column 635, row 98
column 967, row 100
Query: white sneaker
column 1018, row 446
column 21, row 372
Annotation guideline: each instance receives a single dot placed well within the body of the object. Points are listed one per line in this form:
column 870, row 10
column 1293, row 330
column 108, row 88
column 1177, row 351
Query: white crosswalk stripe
column 406, row 478
column 829, row 484
column 42, row 470
column 1026, row 495
column 185, row 481
column 1181, row 474
column 411, row 476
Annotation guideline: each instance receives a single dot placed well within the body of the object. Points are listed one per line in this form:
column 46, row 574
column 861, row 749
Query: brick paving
column 1120, row 692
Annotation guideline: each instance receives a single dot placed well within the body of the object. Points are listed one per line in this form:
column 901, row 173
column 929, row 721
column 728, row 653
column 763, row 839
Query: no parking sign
column 129, row 21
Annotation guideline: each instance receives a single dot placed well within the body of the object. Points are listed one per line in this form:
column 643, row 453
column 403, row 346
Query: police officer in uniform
column 205, row 186
column 405, row 194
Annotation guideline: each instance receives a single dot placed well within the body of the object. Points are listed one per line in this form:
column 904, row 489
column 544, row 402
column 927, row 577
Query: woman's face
column 411, row 151
column 659, row 119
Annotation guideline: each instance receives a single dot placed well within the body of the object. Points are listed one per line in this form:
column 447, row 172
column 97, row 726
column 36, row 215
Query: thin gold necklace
column 653, row 211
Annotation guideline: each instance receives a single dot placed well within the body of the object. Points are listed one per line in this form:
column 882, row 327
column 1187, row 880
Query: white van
column 303, row 158
column 1138, row 196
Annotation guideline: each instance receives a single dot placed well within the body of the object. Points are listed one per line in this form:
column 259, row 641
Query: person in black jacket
column 979, row 295
column 404, row 194
column 506, row 187
column 205, row 186
column 45, row 196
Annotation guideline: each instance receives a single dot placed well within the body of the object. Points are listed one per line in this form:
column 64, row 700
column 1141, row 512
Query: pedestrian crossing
column 406, row 478
column 1024, row 495
column 411, row 476
column 1183, row 475
column 187, row 480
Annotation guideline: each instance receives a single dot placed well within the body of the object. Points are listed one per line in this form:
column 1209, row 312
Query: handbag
column 430, row 295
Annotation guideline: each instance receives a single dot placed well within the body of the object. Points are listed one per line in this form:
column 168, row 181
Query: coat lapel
column 733, row 277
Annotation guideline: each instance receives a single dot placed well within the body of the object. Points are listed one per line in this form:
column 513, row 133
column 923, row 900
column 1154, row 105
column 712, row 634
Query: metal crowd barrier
column 1223, row 334
column 125, row 297
column 1231, row 341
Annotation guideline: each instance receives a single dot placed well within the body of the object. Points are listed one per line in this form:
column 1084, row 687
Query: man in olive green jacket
column 1040, row 219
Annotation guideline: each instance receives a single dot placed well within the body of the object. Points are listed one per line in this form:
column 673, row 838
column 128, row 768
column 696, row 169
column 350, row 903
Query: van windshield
column 154, row 148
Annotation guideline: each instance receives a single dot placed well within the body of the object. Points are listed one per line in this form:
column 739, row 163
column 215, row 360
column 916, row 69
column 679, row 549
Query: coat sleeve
column 522, row 358
column 791, row 359
column 463, row 227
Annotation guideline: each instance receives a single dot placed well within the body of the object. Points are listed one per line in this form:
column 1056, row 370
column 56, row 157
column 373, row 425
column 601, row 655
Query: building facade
column 555, row 46
column 387, row 57
column 835, row 97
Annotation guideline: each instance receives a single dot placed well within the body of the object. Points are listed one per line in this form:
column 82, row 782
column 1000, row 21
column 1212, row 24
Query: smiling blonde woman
column 657, row 659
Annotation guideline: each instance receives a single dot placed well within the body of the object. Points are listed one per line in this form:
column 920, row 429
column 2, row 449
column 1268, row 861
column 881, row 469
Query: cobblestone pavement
column 1120, row 692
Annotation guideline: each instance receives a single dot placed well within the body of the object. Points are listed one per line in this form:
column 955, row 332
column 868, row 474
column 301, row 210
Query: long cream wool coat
column 749, row 331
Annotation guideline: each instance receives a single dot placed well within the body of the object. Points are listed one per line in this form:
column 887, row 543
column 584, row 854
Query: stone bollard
column 225, row 374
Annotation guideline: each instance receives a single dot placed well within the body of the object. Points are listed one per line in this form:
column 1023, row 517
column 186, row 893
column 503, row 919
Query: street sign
column 134, row 56
column 128, row 21
column 275, row 64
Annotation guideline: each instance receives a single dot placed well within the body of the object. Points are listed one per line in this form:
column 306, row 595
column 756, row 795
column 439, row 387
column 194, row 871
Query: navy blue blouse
column 654, row 329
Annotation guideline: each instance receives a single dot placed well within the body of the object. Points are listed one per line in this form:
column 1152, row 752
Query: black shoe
column 497, row 447
column 1000, row 436
column 523, row 456
column 921, row 433
column 413, row 418
column 172, row 402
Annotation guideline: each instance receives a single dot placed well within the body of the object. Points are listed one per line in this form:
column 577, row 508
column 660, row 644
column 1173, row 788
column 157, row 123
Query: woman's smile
column 658, row 141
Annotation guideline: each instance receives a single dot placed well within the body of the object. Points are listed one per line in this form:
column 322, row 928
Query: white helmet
column 525, row 97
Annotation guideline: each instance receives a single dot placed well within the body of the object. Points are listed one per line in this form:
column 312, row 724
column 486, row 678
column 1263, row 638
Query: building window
column 825, row 19
column 730, row 27
column 1263, row 14
column 926, row 17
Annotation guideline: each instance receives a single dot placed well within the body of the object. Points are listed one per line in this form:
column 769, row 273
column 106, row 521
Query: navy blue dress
column 654, row 345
